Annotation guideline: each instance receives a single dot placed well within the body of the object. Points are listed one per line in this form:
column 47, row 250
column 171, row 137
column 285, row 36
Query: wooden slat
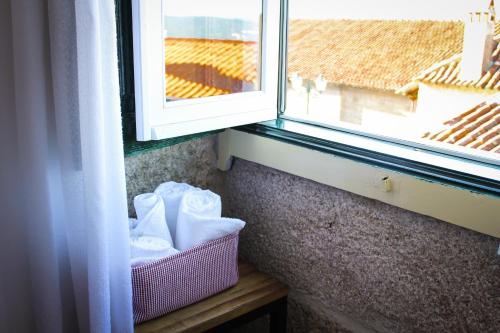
column 254, row 290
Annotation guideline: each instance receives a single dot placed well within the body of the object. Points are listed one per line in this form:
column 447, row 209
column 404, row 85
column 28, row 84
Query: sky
column 324, row 9
column 237, row 9
column 384, row 9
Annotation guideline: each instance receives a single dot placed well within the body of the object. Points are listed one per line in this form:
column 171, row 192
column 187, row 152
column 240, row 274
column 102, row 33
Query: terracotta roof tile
column 381, row 54
column 477, row 128
column 361, row 53
column 447, row 73
column 179, row 88
column 204, row 67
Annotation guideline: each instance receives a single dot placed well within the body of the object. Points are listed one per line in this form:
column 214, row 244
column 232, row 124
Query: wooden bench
column 256, row 294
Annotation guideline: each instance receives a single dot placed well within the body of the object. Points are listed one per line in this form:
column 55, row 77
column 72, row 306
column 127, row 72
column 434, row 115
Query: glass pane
column 211, row 47
column 400, row 69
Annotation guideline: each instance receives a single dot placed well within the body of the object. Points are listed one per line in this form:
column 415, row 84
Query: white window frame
column 157, row 119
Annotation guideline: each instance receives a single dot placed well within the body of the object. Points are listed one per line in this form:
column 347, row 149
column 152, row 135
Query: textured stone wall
column 193, row 162
column 356, row 264
column 353, row 264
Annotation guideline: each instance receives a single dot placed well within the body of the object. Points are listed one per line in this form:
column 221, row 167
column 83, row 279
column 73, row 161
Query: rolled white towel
column 145, row 249
column 200, row 220
column 151, row 217
column 204, row 203
column 171, row 193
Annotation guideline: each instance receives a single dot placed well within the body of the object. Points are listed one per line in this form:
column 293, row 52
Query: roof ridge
column 490, row 80
column 424, row 73
column 478, row 127
column 381, row 20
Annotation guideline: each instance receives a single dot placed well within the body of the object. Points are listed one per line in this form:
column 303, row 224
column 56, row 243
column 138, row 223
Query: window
column 401, row 71
column 381, row 77
column 201, row 66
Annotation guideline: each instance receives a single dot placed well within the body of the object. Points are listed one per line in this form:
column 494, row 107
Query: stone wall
column 193, row 162
column 357, row 264
column 357, row 103
column 353, row 264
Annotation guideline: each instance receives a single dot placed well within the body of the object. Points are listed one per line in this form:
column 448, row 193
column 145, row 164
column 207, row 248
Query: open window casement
column 204, row 65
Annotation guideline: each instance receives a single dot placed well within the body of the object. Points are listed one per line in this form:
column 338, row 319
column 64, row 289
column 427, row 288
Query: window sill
column 132, row 147
column 469, row 198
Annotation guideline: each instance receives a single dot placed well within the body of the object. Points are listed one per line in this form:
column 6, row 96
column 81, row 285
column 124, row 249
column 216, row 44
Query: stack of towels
column 174, row 218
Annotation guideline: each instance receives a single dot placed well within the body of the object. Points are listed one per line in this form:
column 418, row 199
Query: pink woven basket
column 171, row 283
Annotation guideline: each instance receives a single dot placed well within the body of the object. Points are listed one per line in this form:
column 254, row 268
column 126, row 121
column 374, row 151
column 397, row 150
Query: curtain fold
column 64, row 240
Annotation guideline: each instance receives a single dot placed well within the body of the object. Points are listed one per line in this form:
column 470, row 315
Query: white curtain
column 64, row 237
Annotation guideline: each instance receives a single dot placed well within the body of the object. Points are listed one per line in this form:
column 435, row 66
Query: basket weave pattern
column 171, row 283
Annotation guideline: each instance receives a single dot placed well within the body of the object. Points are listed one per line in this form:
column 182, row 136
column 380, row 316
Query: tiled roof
column 180, row 88
column 447, row 73
column 360, row 53
column 477, row 128
column 204, row 67
column 381, row 54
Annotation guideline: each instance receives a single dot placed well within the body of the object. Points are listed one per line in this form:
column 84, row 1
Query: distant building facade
column 364, row 62
column 459, row 96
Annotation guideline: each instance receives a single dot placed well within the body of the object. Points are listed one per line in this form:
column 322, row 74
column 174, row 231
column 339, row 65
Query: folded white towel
column 145, row 249
column 151, row 217
column 200, row 220
column 172, row 193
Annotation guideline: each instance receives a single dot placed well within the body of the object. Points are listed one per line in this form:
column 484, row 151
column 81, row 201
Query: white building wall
column 366, row 107
column 437, row 104
column 324, row 107
column 356, row 106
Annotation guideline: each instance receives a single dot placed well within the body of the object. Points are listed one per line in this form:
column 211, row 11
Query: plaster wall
column 365, row 106
column 437, row 104
column 358, row 106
